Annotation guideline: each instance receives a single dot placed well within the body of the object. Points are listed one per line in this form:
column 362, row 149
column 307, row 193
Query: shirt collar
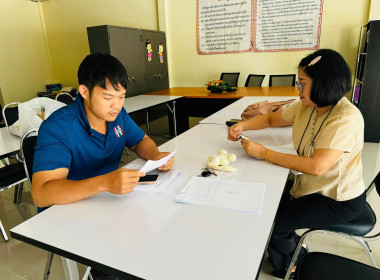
column 78, row 109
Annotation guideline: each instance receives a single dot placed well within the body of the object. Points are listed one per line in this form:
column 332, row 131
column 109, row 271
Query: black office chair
column 232, row 78
column 12, row 174
column 64, row 98
column 282, row 80
column 317, row 266
column 10, row 113
column 355, row 230
column 27, row 145
column 254, row 80
column 2, row 124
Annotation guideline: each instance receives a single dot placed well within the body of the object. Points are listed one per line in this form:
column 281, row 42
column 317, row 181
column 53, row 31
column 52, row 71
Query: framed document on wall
column 224, row 26
column 284, row 25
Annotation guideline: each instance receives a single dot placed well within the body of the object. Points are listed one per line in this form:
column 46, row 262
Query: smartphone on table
column 148, row 179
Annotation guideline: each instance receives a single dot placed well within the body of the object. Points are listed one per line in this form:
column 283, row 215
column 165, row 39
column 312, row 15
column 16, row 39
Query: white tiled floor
column 22, row 261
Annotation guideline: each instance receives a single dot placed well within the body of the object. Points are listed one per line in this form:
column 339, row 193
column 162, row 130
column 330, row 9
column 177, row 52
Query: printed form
column 164, row 180
column 220, row 193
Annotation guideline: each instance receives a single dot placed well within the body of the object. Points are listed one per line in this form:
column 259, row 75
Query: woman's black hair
column 96, row 68
column 331, row 76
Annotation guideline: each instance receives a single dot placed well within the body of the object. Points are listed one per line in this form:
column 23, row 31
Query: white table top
column 234, row 110
column 152, row 237
column 139, row 102
column 9, row 143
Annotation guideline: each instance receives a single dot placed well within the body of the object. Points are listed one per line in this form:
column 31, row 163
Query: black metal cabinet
column 366, row 89
column 142, row 52
column 135, row 67
column 156, row 66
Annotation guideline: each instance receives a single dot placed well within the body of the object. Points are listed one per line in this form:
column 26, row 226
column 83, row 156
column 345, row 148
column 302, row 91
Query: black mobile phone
column 149, row 179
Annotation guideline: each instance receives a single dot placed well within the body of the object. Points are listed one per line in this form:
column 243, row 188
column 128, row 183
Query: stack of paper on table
column 220, row 193
column 164, row 180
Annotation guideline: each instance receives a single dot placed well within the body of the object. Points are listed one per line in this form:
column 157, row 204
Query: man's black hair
column 331, row 77
column 95, row 68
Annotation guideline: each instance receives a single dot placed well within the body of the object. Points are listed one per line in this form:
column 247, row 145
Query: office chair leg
column 87, row 274
column 363, row 244
column 358, row 240
column 48, row 265
column 367, row 251
column 20, row 192
column 295, row 256
column 3, row 232
column 369, row 248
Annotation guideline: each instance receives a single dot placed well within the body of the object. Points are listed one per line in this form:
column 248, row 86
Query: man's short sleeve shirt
column 66, row 140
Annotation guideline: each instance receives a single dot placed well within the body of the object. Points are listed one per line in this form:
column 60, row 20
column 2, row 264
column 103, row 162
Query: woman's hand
column 234, row 131
column 254, row 149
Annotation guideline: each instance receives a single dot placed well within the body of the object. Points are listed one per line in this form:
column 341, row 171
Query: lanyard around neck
column 315, row 136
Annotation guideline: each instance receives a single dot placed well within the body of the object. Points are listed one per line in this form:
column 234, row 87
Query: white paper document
column 153, row 164
column 220, row 193
column 164, row 180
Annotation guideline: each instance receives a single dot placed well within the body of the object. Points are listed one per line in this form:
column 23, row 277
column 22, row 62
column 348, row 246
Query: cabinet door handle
column 159, row 76
column 134, row 79
column 155, row 76
column 129, row 80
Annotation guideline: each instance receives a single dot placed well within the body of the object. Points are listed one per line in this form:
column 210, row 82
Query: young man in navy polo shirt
column 79, row 147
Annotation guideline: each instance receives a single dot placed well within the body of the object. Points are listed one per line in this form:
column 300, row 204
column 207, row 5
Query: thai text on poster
column 282, row 25
column 224, row 26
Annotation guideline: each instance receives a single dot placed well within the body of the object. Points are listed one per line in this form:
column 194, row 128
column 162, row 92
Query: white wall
column 374, row 12
column 341, row 24
column 24, row 67
column 66, row 22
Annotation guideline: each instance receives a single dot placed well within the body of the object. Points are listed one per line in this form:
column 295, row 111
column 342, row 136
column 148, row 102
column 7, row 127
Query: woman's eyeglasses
column 300, row 85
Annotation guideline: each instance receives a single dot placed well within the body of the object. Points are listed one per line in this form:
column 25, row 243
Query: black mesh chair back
column 318, row 265
column 1, row 116
column 254, row 80
column 232, row 78
column 2, row 124
column 282, row 80
column 13, row 175
column 64, row 98
column 10, row 113
column 28, row 143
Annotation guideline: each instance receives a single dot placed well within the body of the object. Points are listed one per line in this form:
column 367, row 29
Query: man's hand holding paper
column 164, row 162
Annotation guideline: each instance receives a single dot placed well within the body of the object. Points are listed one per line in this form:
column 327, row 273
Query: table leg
column 70, row 269
column 3, row 232
column 48, row 265
column 174, row 120
column 147, row 122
